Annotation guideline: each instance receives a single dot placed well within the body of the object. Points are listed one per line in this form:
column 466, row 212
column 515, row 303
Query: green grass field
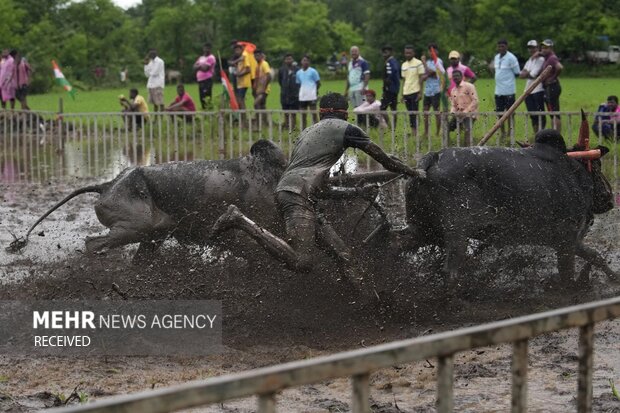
column 577, row 93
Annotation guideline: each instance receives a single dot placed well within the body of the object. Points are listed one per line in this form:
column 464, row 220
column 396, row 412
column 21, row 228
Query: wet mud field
column 273, row 315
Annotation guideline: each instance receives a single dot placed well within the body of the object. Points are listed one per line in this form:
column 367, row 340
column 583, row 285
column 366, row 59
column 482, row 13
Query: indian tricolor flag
column 228, row 88
column 60, row 79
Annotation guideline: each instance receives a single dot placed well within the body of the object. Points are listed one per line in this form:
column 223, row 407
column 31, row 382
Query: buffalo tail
column 19, row 243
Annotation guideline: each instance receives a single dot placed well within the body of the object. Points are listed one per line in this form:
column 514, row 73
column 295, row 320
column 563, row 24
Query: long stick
column 514, row 106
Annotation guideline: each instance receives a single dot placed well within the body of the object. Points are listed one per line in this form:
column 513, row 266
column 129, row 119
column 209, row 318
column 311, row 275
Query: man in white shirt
column 535, row 102
column 155, row 71
column 370, row 105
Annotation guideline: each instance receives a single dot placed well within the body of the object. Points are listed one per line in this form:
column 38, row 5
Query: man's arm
column 558, row 68
column 470, row 75
column 147, row 68
column 355, row 137
column 366, row 69
column 515, row 68
column 389, row 163
column 473, row 104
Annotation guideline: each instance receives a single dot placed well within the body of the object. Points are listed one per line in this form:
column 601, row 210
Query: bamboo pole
column 514, row 106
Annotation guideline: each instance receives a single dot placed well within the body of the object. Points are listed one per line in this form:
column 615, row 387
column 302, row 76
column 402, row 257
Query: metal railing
column 37, row 146
column 359, row 365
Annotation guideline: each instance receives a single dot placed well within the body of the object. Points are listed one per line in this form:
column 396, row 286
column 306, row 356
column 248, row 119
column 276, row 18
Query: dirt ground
column 272, row 315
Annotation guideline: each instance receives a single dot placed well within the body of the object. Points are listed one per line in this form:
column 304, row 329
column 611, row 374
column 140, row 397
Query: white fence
column 37, row 146
column 359, row 364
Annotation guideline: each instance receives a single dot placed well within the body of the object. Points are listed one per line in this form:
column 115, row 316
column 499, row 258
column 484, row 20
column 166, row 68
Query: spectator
column 309, row 83
column 22, row 73
column 412, row 71
column 3, row 59
column 535, row 101
column 367, row 107
column 506, row 68
column 289, row 89
column 357, row 80
column 261, row 85
column 391, row 80
column 124, row 75
column 608, row 126
column 551, row 84
column 455, row 64
column 463, row 105
column 154, row 69
column 182, row 102
column 343, row 61
column 242, row 73
column 8, row 83
column 135, row 105
column 205, row 67
column 433, row 78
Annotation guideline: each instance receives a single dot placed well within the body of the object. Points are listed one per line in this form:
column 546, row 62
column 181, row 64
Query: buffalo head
column 269, row 153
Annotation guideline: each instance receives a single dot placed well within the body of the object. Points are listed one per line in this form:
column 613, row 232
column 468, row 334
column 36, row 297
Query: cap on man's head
column 547, row 42
column 370, row 92
column 502, row 41
column 532, row 43
column 454, row 55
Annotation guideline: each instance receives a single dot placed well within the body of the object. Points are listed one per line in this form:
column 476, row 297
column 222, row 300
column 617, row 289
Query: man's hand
column 416, row 173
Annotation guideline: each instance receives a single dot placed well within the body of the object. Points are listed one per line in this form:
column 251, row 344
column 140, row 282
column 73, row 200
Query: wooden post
column 586, row 356
column 445, row 383
column 220, row 133
column 267, row 403
column 514, row 106
column 361, row 393
column 519, row 377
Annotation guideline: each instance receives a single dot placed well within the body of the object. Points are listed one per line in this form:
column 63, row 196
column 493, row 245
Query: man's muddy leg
column 278, row 248
column 593, row 257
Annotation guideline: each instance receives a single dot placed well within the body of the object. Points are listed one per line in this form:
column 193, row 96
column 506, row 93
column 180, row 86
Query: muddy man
column 305, row 179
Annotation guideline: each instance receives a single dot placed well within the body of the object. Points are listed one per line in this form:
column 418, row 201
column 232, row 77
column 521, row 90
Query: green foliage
column 614, row 391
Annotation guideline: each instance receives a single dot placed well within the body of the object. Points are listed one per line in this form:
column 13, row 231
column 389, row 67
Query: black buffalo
column 181, row 199
column 501, row 196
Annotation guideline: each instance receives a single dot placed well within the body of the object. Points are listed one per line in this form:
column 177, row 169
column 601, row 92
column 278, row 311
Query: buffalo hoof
column 583, row 280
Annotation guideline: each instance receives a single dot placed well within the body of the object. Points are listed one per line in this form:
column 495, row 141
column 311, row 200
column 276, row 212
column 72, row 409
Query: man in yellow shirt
column 136, row 105
column 243, row 73
column 262, row 81
column 411, row 71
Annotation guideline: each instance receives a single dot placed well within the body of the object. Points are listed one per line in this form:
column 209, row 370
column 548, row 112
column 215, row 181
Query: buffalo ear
column 604, row 150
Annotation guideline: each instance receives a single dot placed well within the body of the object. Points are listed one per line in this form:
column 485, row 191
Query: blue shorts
column 241, row 92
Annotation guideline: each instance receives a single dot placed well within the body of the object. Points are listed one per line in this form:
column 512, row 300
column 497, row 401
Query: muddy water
column 269, row 322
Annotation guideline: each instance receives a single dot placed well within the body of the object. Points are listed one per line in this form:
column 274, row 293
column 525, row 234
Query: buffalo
column 501, row 196
column 180, row 199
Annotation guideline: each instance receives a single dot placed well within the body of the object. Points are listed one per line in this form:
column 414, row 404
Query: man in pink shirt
column 463, row 105
column 182, row 103
column 204, row 67
column 455, row 64
column 8, row 83
column 22, row 73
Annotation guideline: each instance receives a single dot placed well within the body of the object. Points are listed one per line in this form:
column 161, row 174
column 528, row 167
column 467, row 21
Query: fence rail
column 359, row 364
column 37, row 146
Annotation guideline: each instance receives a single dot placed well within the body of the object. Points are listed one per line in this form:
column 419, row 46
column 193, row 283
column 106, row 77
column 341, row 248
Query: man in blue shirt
column 309, row 82
column 391, row 79
column 434, row 77
column 506, row 68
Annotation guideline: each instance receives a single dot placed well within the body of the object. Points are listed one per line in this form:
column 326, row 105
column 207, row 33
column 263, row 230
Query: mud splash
column 273, row 315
